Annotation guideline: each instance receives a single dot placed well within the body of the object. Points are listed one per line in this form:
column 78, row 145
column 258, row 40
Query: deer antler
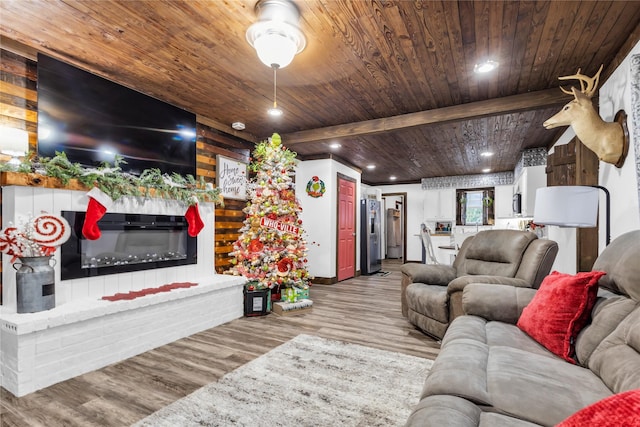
column 588, row 85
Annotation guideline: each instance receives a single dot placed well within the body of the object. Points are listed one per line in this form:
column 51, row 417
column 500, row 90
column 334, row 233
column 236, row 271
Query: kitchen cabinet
column 503, row 207
column 531, row 178
column 440, row 204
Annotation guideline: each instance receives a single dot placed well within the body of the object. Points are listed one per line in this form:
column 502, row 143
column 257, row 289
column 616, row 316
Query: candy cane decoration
column 9, row 241
column 50, row 230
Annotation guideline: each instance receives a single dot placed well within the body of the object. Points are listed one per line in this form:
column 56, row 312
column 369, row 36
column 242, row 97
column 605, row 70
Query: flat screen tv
column 91, row 119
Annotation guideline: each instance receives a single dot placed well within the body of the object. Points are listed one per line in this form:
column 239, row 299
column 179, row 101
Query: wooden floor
column 364, row 310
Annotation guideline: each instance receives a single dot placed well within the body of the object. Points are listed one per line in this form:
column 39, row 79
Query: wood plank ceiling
column 391, row 81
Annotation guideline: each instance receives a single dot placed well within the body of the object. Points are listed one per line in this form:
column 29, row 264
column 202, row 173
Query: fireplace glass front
column 128, row 242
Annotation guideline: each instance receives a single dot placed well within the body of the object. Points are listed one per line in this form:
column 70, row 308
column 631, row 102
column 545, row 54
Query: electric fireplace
column 129, row 242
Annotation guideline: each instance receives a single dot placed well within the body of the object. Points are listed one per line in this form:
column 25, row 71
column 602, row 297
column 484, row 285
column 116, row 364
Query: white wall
column 319, row 215
column 622, row 183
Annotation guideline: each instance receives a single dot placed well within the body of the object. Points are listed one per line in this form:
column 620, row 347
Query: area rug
column 307, row 381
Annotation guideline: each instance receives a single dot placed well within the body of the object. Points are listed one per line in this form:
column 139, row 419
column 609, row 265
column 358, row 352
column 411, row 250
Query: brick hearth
column 83, row 333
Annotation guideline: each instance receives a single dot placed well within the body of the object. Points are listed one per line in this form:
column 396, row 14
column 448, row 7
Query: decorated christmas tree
column 271, row 250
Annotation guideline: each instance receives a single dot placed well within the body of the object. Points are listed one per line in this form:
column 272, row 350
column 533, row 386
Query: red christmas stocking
column 193, row 219
column 99, row 202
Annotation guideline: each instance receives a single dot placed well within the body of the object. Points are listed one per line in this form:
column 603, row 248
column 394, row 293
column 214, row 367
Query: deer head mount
column 608, row 140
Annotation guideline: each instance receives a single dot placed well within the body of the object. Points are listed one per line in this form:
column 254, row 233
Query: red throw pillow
column 619, row 410
column 560, row 309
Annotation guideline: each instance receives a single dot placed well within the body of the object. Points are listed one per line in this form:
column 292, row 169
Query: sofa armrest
column 458, row 285
column 496, row 302
column 422, row 273
column 430, row 274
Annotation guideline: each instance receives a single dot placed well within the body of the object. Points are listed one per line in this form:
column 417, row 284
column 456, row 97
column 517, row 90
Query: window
column 475, row 206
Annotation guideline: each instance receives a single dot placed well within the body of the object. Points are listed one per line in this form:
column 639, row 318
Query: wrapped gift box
column 257, row 302
column 292, row 308
column 300, row 293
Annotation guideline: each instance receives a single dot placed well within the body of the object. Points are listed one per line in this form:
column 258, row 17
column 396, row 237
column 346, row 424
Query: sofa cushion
column 528, row 382
column 621, row 262
column 559, row 310
column 493, row 334
column 610, row 309
column 497, row 253
column 460, row 370
column 614, row 411
column 541, row 389
column 452, row 411
column 617, row 358
column 444, row 410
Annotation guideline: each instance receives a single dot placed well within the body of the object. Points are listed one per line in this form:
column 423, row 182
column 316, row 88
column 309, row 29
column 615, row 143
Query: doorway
column 346, row 253
column 394, row 229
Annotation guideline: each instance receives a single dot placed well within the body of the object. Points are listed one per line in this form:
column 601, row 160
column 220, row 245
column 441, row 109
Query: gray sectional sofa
column 490, row 373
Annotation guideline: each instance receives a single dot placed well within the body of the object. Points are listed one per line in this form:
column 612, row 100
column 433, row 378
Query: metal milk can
column 35, row 282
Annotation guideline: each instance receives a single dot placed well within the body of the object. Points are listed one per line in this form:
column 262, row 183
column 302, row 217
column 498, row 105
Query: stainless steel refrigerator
column 370, row 261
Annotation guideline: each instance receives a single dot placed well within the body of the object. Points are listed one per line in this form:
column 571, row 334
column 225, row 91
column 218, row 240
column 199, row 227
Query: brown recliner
column 432, row 294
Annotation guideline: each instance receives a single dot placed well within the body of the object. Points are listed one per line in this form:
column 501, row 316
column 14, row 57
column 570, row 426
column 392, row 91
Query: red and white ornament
column 50, row 230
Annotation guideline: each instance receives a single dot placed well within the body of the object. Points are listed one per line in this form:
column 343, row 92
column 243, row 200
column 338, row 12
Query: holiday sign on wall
column 231, row 178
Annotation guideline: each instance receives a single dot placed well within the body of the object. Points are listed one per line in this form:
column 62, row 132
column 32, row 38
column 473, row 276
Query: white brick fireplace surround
column 83, row 332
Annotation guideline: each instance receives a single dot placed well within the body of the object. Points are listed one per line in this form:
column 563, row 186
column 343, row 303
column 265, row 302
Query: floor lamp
column 571, row 206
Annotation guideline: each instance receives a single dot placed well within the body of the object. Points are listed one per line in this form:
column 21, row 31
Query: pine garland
column 113, row 181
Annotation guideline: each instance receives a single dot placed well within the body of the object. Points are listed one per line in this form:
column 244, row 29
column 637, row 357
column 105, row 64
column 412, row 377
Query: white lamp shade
column 275, row 49
column 566, row 206
column 14, row 142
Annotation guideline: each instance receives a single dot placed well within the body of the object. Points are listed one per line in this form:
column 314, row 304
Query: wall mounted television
column 91, row 119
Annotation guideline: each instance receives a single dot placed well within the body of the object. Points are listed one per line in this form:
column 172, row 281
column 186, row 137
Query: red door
column 346, row 229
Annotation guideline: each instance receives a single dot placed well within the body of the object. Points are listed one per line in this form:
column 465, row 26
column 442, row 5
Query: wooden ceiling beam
column 474, row 110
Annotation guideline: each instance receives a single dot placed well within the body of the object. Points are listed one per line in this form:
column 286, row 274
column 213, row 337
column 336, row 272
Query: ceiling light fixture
column 486, row 154
column 485, row 67
column 371, row 166
column 334, row 146
column 237, row 125
column 486, row 170
column 276, row 36
column 392, row 178
column 275, row 111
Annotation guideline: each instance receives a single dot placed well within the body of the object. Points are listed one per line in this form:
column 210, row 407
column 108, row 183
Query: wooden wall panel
column 18, row 102
column 229, row 219
column 19, row 109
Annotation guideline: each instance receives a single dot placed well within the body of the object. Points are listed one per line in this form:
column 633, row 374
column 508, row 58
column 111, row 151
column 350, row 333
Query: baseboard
column 324, row 280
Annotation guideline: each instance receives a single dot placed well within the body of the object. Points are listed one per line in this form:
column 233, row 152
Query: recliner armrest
column 495, row 301
column 458, row 285
column 430, row 274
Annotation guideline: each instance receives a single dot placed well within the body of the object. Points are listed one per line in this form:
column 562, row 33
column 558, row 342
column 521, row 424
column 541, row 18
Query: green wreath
column 315, row 187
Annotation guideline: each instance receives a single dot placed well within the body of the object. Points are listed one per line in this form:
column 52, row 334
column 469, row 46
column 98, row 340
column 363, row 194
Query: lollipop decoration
column 39, row 236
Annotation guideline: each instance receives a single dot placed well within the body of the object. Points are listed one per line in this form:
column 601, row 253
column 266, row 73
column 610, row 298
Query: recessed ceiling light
column 392, row 178
column 486, row 154
column 237, row 125
column 334, row 145
column 486, row 170
column 371, row 166
column 485, row 67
